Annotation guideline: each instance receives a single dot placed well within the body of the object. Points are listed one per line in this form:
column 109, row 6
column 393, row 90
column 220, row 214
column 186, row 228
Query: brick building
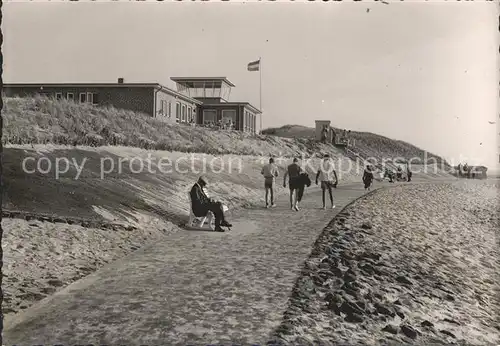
column 201, row 103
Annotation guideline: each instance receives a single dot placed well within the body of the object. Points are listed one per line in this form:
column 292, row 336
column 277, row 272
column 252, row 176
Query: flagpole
column 260, row 93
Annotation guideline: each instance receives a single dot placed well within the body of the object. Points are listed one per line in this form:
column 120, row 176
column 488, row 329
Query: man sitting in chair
column 202, row 204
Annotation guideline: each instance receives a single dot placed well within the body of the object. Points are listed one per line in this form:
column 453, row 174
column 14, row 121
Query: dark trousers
column 368, row 183
column 216, row 208
column 325, row 187
column 300, row 192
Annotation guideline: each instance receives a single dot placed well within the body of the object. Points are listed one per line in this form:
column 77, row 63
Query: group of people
column 296, row 177
column 222, row 125
column 327, row 130
column 298, row 180
column 398, row 175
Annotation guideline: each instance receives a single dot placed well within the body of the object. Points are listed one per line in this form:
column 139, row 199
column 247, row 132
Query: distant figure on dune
column 408, row 172
column 293, row 173
column 389, row 174
column 328, row 177
column 304, row 181
column 399, row 173
column 368, row 177
column 270, row 173
column 324, row 134
column 202, row 204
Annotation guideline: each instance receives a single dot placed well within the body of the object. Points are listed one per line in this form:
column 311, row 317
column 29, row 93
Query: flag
column 254, row 66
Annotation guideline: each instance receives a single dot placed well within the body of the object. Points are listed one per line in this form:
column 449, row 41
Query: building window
column 178, row 112
column 209, row 117
column 90, row 98
column 70, row 96
column 190, row 114
column 58, row 96
column 183, row 119
column 83, row 97
column 229, row 119
column 162, row 108
column 169, row 109
column 95, row 98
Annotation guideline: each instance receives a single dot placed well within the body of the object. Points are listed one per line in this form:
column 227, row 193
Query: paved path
column 193, row 288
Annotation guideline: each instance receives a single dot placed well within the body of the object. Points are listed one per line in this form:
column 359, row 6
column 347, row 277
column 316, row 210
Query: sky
column 423, row 72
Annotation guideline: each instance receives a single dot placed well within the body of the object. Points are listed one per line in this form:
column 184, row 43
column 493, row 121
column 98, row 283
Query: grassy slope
column 367, row 144
column 40, row 122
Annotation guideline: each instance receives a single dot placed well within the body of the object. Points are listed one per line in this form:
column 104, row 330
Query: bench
column 202, row 222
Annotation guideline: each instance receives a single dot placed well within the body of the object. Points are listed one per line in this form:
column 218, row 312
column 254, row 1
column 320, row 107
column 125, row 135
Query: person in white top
column 328, row 177
column 270, row 173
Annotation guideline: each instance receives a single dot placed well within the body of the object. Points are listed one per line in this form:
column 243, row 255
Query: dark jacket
column 367, row 176
column 199, row 200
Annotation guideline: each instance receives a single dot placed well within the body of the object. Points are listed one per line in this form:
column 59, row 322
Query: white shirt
column 326, row 171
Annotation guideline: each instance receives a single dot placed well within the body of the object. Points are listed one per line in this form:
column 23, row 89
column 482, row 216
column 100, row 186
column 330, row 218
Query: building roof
column 188, row 81
column 103, row 85
column 100, row 85
column 178, row 94
column 223, row 104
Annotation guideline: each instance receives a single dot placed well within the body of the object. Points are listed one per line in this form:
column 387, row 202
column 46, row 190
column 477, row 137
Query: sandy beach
column 40, row 258
column 407, row 265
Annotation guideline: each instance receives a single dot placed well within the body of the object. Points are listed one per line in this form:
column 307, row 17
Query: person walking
column 408, row 172
column 368, row 177
column 326, row 174
column 293, row 174
column 270, row 173
column 324, row 134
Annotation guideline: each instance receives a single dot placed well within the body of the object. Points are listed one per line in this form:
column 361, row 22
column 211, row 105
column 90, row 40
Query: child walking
column 270, row 173
column 368, row 177
column 326, row 174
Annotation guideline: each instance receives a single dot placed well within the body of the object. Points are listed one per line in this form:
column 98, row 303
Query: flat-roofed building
column 216, row 108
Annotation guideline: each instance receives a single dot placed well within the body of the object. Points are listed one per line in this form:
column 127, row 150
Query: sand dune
column 42, row 257
column 415, row 264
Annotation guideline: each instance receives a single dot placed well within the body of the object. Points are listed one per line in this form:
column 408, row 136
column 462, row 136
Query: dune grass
column 42, row 120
